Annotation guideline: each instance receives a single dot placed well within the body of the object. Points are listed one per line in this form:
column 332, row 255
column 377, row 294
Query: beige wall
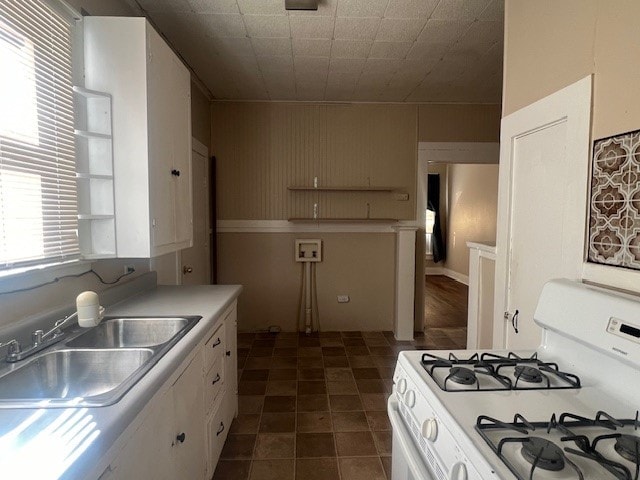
column 261, row 148
column 360, row 265
column 472, row 213
column 200, row 115
column 459, row 123
column 551, row 44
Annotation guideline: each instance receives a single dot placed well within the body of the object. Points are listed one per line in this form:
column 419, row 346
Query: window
column 428, row 227
column 38, row 197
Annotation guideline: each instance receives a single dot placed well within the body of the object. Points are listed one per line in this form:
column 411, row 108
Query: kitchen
column 345, row 142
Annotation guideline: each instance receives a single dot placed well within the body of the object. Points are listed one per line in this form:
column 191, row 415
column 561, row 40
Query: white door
column 542, row 204
column 196, row 263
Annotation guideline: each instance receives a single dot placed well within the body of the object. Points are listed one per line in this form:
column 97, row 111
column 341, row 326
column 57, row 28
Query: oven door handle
column 409, row 450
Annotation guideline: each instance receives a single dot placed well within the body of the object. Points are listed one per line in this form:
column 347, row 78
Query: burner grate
column 530, row 373
column 545, row 455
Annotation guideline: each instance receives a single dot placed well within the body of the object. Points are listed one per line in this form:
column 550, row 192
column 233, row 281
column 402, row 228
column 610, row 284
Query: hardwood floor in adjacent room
column 446, row 311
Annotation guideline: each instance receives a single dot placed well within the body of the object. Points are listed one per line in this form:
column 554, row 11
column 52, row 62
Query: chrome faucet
column 39, row 341
column 88, row 312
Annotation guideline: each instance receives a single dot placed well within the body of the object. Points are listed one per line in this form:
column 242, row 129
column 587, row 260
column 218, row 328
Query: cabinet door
column 189, row 450
column 181, row 148
column 231, row 363
column 149, row 452
column 160, row 108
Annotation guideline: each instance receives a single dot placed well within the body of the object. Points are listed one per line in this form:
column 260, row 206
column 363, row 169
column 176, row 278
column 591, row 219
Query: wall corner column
column 405, row 282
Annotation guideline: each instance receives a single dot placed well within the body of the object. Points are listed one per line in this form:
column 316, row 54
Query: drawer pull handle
column 175, row 173
column 220, row 430
column 228, row 353
column 181, row 438
column 216, row 380
column 216, row 343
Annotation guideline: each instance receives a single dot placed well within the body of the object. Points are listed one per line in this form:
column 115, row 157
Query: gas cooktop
column 497, row 415
column 491, row 372
column 568, row 446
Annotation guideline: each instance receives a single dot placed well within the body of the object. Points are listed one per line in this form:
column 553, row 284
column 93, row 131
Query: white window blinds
column 38, row 206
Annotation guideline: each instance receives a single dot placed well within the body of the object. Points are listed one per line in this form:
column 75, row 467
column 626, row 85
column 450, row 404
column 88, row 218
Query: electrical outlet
column 129, row 269
column 343, row 299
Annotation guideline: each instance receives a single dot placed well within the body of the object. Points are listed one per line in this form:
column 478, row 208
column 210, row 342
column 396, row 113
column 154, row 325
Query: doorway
column 466, row 208
column 196, row 261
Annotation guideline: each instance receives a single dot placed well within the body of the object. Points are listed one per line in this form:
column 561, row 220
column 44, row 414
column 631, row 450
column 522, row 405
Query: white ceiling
column 348, row 50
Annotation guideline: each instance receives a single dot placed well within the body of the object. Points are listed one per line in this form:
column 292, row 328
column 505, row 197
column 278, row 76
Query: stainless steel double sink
column 94, row 367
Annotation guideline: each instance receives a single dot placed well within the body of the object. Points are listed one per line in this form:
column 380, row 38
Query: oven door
column 406, row 462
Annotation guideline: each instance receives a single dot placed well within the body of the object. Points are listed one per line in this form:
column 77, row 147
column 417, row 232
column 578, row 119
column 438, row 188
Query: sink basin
column 95, row 376
column 96, row 367
column 130, row 333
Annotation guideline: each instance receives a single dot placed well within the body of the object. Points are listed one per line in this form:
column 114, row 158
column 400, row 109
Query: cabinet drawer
column 213, row 382
column 217, row 429
column 214, row 348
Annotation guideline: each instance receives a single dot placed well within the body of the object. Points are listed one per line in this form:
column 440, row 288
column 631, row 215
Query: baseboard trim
column 434, row 271
column 459, row 277
column 447, row 272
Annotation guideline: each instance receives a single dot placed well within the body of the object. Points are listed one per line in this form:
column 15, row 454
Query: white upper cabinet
column 150, row 88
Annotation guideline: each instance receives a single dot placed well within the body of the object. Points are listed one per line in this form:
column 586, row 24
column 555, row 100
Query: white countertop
column 69, row 443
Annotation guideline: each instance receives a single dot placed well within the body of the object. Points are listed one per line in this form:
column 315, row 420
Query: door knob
column 186, row 269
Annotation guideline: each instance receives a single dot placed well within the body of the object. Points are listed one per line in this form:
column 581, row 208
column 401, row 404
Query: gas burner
column 492, row 372
column 528, row 374
column 628, row 446
column 543, row 454
column 566, row 440
column 462, row 375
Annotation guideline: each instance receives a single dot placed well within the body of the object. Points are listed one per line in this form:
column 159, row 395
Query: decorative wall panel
column 614, row 221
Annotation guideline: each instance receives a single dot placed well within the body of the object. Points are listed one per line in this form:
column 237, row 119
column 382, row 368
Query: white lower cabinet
column 185, row 426
column 217, row 429
column 144, row 455
column 170, row 441
column 189, row 432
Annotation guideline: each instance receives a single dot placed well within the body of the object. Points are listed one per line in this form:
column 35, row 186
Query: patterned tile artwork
column 614, row 221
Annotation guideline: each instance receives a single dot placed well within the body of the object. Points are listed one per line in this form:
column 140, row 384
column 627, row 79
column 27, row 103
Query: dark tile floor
column 314, row 407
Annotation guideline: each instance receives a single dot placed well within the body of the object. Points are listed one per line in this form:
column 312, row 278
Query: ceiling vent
column 301, row 4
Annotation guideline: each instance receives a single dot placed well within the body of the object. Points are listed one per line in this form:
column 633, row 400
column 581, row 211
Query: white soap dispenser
column 89, row 310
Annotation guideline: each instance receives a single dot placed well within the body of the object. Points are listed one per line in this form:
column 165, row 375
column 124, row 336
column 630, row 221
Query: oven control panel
column 624, row 329
column 438, row 446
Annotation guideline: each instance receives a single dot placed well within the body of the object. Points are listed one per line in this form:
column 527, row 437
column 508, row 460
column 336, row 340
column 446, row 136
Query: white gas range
column 565, row 411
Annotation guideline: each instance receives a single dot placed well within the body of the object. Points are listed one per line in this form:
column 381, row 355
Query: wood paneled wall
column 261, row 148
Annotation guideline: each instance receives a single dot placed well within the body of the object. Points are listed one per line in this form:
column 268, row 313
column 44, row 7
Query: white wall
column 473, row 203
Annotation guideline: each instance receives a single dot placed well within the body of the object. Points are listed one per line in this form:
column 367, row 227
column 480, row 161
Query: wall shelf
column 342, row 220
column 302, row 188
column 94, row 173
